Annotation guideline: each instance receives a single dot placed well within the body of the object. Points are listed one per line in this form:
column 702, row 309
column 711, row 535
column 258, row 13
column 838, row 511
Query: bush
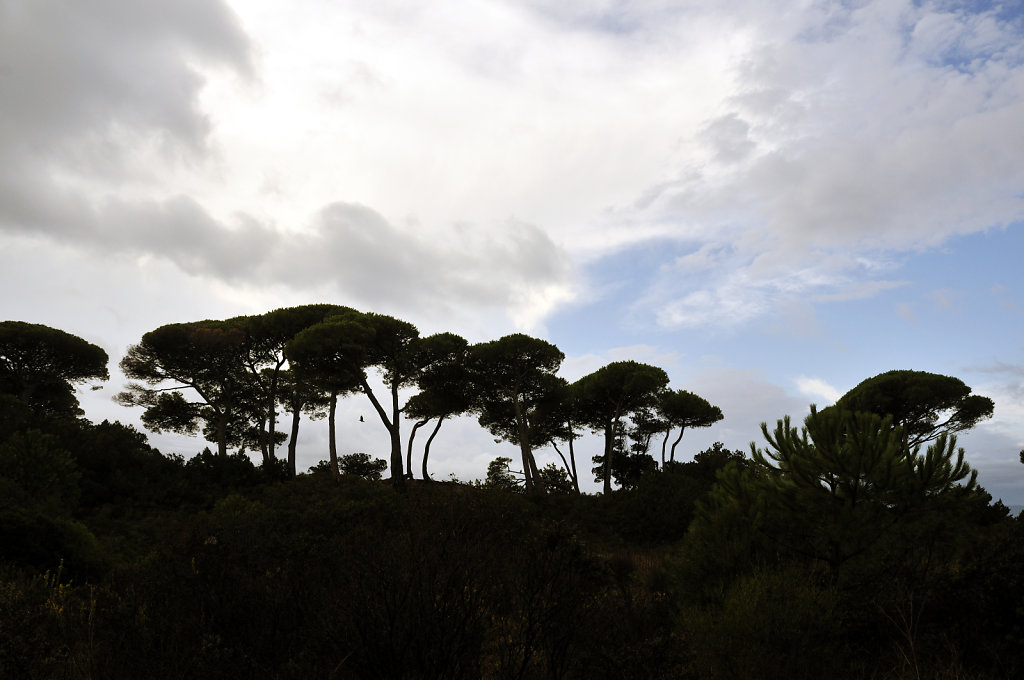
column 46, row 473
column 770, row 624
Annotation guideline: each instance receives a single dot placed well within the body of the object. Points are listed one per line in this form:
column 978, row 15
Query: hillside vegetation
column 857, row 545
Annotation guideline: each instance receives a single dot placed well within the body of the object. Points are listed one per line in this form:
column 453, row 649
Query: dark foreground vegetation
column 119, row 562
column 857, row 546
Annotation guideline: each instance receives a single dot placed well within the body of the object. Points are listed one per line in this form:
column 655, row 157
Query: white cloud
column 792, row 149
column 747, row 399
column 818, row 389
column 862, row 131
column 944, row 298
column 575, row 367
column 906, row 312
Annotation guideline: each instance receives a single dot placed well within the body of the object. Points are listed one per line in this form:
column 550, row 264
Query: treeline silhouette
column 859, row 546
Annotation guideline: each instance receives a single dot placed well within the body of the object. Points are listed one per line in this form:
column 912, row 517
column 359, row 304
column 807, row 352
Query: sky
column 773, row 200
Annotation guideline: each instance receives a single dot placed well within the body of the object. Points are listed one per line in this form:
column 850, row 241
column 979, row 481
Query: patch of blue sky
column 615, row 18
column 955, row 307
column 1011, row 11
column 978, row 38
column 615, row 21
column 609, row 316
column 963, row 305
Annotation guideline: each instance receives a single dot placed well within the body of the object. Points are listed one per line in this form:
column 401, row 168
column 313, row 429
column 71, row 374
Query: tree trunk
column 272, row 410
column 408, row 450
column 538, row 482
column 222, row 427
column 572, row 459
column 609, row 446
column 332, row 434
column 267, row 439
column 672, row 455
column 263, row 440
column 564, row 461
column 664, row 443
column 293, row 440
column 295, row 404
column 426, row 448
column 396, row 441
column 534, row 484
column 397, row 476
column 570, row 470
column 524, row 453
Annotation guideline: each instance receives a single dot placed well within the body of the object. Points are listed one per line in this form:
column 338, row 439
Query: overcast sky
column 771, row 199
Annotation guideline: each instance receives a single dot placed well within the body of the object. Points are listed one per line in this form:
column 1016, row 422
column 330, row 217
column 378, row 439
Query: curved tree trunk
column 538, row 482
column 426, row 449
column 572, row 460
column 565, row 462
column 293, row 439
column 570, row 470
column 397, row 475
column 408, row 450
column 672, row 456
column 664, row 443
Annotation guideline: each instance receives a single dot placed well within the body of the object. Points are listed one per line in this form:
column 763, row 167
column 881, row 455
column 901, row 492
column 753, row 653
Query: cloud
column 114, row 150
column 859, row 290
column 906, row 312
column 515, row 266
column 818, row 388
column 729, row 136
column 944, row 298
column 350, row 249
column 793, row 154
column 109, row 148
column 747, row 399
column 85, row 82
column 823, row 164
column 104, row 107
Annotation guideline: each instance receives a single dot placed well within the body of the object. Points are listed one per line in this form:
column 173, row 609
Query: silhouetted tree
column 345, row 346
column 445, row 387
column 684, row 409
column 500, row 476
column 512, row 378
column 361, row 465
column 40, row 366
column 846, row 477
column 298, row 395
column 561, row 418
column 267, row 335
column 204, row 357
column 610, row 394
column 325, row 359
column 925, row 405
